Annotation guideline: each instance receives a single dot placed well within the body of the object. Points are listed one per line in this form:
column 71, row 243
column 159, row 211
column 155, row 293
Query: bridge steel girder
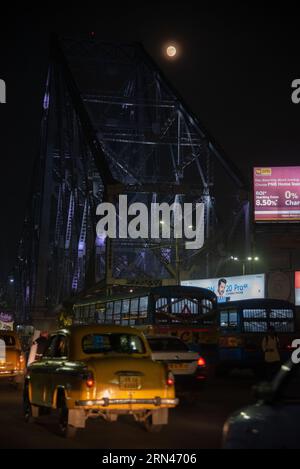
column 112, row 123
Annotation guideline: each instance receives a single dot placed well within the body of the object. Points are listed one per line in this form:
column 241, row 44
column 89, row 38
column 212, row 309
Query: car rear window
column 167, row 345
column 113, row 343
column 9, row 340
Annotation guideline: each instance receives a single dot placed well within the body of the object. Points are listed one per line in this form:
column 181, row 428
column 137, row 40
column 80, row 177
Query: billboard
column 277, row 194
column 229, row 289
column 6, row 321
column 297, row 288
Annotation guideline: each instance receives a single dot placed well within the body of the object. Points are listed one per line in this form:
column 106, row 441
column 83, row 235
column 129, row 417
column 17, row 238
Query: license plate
column 178, row 366
column 130, row 382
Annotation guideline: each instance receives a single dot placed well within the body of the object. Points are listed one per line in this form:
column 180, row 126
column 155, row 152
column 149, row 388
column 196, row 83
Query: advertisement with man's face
column 229, row 289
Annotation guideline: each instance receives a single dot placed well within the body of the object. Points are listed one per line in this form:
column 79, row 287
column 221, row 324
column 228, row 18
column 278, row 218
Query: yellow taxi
column 99, row 371
column 12, row 359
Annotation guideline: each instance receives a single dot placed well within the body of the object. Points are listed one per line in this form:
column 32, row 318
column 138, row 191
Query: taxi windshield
column 112, row 343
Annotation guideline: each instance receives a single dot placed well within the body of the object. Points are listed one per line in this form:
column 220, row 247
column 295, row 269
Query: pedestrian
column 271, row 347
column 41, row 343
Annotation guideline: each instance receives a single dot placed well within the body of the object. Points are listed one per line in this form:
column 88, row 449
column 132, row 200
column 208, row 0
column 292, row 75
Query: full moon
column 171, row 51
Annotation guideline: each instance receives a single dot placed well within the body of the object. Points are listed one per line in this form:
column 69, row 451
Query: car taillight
column 201, row 362
column 170, row 379
column 90, row 382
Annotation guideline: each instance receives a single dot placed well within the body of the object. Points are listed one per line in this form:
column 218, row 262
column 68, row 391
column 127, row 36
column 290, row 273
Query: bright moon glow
column 171, row 51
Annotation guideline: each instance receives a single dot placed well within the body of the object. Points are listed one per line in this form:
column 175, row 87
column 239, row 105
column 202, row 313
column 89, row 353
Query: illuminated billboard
column 277, row 194
column 297, row 288
column 6, row 322
column 229, row 289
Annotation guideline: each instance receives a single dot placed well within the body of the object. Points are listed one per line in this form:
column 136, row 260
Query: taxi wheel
column 66, row 430
column 27, row 410
column 150, row 427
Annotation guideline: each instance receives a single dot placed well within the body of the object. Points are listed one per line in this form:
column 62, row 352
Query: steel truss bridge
column 113, row 124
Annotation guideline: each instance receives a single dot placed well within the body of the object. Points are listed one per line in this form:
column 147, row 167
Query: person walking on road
column 270, row 347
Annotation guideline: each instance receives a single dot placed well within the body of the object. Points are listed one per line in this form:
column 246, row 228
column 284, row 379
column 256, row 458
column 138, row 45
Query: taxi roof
column 77, row 333
column 99, row 329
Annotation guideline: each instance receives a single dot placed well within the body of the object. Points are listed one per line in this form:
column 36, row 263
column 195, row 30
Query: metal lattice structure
column 113, row 124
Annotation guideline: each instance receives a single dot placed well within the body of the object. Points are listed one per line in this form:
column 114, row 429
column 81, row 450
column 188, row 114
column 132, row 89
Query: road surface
column 196, row 423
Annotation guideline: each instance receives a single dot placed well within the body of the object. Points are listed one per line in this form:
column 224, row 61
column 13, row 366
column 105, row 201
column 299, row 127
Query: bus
column 242, row 327
column 189, row 313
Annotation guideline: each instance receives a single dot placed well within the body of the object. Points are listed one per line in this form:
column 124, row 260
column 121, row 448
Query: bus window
column 184, row 306
column 254, row 314
column 207, row 306
column 162, row 305
column 255, row 326
column 162, row 310
column 125, row 307
column 229, row 320
column 281, row 314
column 144, row 307
column 181, row 310
column 92, row 312
column 283, row 326
column 100, row 313
column 117, row 312
column 109, row 311
column 224, row 320
column 134, row 307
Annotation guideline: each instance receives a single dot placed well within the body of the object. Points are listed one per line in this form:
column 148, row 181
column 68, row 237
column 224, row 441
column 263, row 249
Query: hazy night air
column 234, row 62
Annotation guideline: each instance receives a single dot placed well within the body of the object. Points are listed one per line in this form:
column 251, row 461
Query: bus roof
column 256, row 303
column 176, row 290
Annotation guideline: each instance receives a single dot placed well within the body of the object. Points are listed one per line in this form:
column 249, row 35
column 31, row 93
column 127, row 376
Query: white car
column 274, row 421
column 186, row 365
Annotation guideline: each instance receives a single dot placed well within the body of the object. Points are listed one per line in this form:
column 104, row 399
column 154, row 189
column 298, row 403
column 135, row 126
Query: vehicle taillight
column 201, row 362
column 170, row 379
column 21, row 361
column 90, row 382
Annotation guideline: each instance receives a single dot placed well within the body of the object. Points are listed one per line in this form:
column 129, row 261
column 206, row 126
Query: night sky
column 234, row 72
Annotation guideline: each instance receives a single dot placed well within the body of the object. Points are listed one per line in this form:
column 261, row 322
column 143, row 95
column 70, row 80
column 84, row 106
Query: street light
column 244, row 261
